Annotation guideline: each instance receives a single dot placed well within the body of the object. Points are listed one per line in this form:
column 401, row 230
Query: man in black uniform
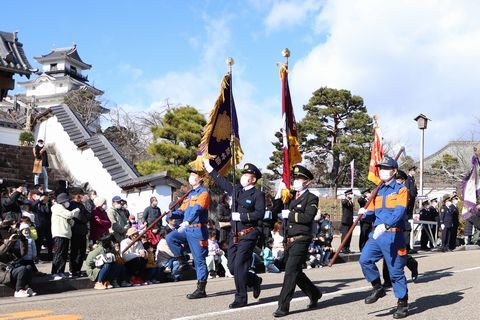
column 428, row 213
column 446, row 223
column 456, row 222
column 248, row 209
column 300, row 214
column 365, row 227
column 347, row 219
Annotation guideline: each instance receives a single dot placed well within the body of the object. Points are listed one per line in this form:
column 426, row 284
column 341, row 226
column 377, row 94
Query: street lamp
column 422, row 122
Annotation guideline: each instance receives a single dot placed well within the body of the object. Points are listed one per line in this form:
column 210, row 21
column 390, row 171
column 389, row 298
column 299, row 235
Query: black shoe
column 257, row 288
column 236, row 305
column 280, row 313
column 199, row 292
column 314, row 301
column 402, row 309
column 377, row 293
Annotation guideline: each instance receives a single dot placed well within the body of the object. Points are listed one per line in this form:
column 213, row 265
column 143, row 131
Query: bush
column 26, row 138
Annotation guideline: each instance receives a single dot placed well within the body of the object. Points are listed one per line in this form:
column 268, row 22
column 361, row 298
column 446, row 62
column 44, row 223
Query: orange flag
column 377, row 154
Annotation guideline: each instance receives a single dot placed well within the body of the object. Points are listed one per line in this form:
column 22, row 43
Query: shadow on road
column 325, row 286
column 434, row 275
column 430, row 302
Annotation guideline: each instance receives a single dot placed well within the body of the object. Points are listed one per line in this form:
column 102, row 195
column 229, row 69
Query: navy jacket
column 446, row 217
column 249, row 203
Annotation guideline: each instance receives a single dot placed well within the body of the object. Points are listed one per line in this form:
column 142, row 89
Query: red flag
column 291, row 152
column 377, row 154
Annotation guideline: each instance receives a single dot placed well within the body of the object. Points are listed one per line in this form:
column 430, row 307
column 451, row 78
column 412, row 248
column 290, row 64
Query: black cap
column 434, row 199
column 455, row 197
column 424, row 203
column 301, row 171
column 412, row 168
column 401, row 175
column 349, row 191
column 75, row 191
column 366, row 190
column 250, row 168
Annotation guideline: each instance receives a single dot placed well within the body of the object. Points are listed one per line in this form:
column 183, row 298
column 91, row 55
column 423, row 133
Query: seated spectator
column 132, row 220
column 153, row 236
column 215, row 255
column 172, row 224
column 268, row 259
column 151, row 267
column 31, row 226
column 135, row 257
column 99, row 224
column 11, row 273
column 277, row 248
column 101, row 267
column 166, row 260
column 314, row 254
column 27, row 248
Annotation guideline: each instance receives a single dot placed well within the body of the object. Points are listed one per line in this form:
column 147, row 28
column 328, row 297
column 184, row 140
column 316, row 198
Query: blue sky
column 402, row 57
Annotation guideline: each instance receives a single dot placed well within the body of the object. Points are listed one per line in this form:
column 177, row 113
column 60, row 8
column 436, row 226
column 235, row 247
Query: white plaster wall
column 138, row 201
column 85, row 167
column 9, row 136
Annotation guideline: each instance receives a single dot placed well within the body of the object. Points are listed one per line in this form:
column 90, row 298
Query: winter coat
column 119, row 223
column 150, row 214
column 89, row 264
column 99, row 224
column 80, row 226
column 11, row 207
column 7, row 258
column 62, row 221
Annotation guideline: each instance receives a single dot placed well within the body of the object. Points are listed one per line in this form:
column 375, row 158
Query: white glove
column 379, row 230
column 206, row 164
column 235, row 216
column 183, row 226
column 285, row 213
column 442, row 226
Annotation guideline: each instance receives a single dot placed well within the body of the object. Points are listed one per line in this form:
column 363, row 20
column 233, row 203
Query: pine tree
column 175, row 143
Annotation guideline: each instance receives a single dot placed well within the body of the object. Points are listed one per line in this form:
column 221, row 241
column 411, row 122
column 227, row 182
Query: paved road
column 448, row 288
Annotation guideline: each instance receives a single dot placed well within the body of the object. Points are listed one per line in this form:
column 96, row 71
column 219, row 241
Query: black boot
column 314, row 300
column 199, row 292
column 412, row 265
column 280, row 313
column 377, row 292
column 257, row 288
column 402, row 309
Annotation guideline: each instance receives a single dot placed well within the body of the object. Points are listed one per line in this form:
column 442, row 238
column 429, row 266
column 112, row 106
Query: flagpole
column 286, row 54
column 230, row 63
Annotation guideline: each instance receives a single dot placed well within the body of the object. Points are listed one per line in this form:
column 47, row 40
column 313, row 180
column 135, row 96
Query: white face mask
column 455, row 202
column 244, row 181
column 117, row 206
column 385, row 175
column 298, row 185
column 41, row 145
column 448, row 203
column 193, row 181
column 66, row 204
column 104, row 207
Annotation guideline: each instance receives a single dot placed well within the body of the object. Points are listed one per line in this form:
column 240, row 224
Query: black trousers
column 446, row 237
column 44, row 236
column 365, row 229
column 78, row 250
column 344, row 229
column 453, row 238
column 424, row 238
column 61, row 255
column 240, row 257
column 294, row 275
column 411, row 262
column 21, row 277
column 136, row 267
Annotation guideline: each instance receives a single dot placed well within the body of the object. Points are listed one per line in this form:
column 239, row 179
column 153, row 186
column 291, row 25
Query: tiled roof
column 12, row 56
column 63, row 53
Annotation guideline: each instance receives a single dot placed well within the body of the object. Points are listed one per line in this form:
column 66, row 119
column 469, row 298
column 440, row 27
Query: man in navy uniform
column 247, row 211
column 446, row 223
column 300, row 214
column 347, row 219
column 456, row 222
column 387, row 212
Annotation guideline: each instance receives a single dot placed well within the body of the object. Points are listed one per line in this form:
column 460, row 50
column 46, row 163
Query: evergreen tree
column 335, row 130
column 175, row 143
column 276, row 158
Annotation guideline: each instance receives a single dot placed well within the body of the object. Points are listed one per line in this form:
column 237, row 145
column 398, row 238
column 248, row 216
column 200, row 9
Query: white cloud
column 288, row 13
column 403, row 58
column 130, row 70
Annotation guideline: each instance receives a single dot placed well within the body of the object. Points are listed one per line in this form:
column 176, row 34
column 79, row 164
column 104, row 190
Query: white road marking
column 345, row 291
